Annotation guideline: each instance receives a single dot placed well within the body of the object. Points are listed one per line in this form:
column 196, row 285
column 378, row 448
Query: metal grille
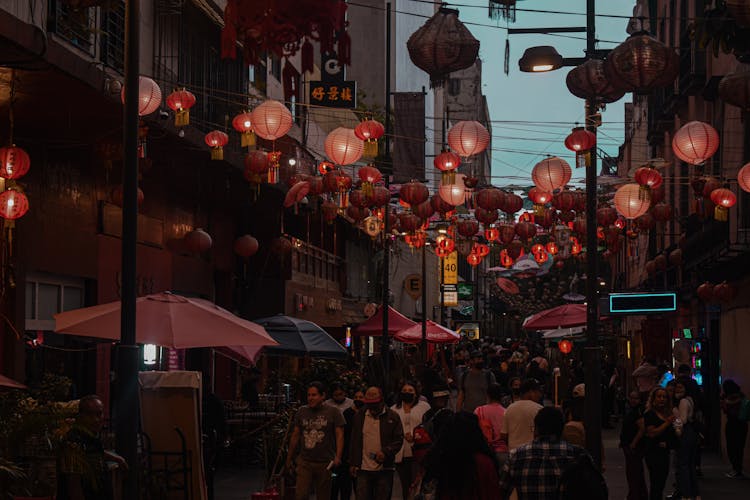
column 74, row 25
column 113, row 36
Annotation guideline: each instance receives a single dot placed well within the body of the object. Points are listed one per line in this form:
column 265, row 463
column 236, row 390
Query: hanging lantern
column 325, row 166
column 645, row 222
column 447, row 162
column 271, row 120
column 339, row 182
column 515, row 249
column 662, row 212
column 505, row 259
column 445, row 243
column 369, row 175
column 409, row 222
column 537, row 248
column 13, row 204
column 245, row 246
column 316, row 185
column 440, row 253
column 551, row 174
column 641, row 64
column 440, row 205
column 629, row 201
column 491, row 234
column 357, row 214
column 724, row 292
column 513, row 203
column 490, row 198
column 649, row 179
column 14, row 162
column 256, row 167
column 424, row 210
column 486, row 217
column 369, row 131
column 564, row 200
column 620, row 223
column 695, row 142
column 575, row 248
column 705, row 292
column 734, row 88
column 358, row 199
column 473, row 259
column 481, row 249
column 743, row 178
column 414, row 193
column 243, row 123
column 442, row 45
column 539, row 198
column 526, row 230
column 724, row 199
column 149, row 96
column 330, row 211
column 588, row 81
column 467, row 228
column 507, row 233
column 581, row 141
column 343, row 147
column 117, row 196
column 712, row 183
column 552, row 248
column 546, row 218
column 380, row 196
column 606, row 216
column 216, row 140
column 468, row 138
column 198, row 241
column 180, row 101
column 565, row 346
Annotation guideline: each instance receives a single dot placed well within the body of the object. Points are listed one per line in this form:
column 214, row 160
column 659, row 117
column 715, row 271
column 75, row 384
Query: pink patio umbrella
column 436, row 334
column 10, row 383
column 167, row 320
column 374, row 325
column 565, row 316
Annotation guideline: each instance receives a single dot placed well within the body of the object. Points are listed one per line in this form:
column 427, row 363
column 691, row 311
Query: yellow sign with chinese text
column 450, row 269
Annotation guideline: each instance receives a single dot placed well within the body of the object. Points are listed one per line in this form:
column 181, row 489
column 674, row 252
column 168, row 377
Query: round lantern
column 216, row 140
column 316, row 184
column 486, row 217
column 675, row 257
column 414, row 193
column 243, row 123
column 507, row 233
column 539, row 198
column 645, row 222
column 358, row 199
column 370, row 131
column 343, row 147
column 409, row 222
column 468, row 138
column 491, row 234
column 481, row 249
column 117, row 195
column 513, row 203
column 489, row 198
column 452, row 194
column 743, row 178
column 629, row 201
column 380, row 196
column 551, row 174
column 724, row 199
column 357, row 214
column 180, row 101
column 734, row 88
column 588, row 81
column 695, row 142
column 649, row 179
column 468, row 228
column 620, row 223
column 325, row 166
column 526, row 230
column 552, row 248
column 564, row 200
column 705, row 292
column 505, row 259
column 447, row 162
column 245, row 246
column 424, row 210
column 662, row 212
column 13, row 204
column 515, row 249
column 14, row 162
column 329, row 210
column 474, row 259
column 442, row 45
column 149, row 96
column 445, row 243
column 271, row 120
column 565, row 346
column 198, row 241
column 724, row 292
column 641, row 64
column 369, row 175
column 256, row 166
column 441, row 253
column 581, row 141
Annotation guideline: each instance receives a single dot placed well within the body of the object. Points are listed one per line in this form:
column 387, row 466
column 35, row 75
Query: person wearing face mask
column 473, row 384
column 515, row 392
column 338, row 398
column 377, row 435
column 343, row 481
column 411, row 412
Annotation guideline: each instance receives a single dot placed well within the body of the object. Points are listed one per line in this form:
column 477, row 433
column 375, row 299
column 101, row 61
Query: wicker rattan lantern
column 734, row 88
column 442, row 45
column 588, row 81
column 641, row 64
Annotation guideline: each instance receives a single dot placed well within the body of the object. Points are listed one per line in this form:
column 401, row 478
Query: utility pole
column 385, row 354
column 424, row 301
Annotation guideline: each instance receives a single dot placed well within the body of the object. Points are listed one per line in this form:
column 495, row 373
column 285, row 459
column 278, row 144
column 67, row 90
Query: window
column 47, row 295
column 113, row 36
column 454, row 86
column 74, row 25
column 276, row 67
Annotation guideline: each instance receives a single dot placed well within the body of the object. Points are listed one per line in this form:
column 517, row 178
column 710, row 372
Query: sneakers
column 734, row 475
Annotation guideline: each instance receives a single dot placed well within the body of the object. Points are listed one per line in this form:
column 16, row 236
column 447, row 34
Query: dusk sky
column 533, row 113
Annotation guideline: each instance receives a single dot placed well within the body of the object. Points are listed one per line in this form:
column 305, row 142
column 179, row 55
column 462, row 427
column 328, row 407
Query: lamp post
column 542, row 59
column 385, row 339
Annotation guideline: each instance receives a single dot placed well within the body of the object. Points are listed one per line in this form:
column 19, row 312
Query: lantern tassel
column 217, row 153
column 448, row 178
column 247, row 139
column 721, row 214
column 644, row 193
column 182, row 118
column 583, row 159
column 371, row 149
column 538, row 210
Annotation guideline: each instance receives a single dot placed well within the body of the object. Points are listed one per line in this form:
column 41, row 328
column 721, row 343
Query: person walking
column 658, row 421
column 735, row 407
column 411, row 412
column 341, row 488
column 631, row 442
column 514, row 392
column 518, row 421
column 491, row 418
column 377, row 435
column 320, row 428
column 473, row 384
column 687, row 450
column 339, row 398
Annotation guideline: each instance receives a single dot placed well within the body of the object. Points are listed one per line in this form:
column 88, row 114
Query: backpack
column 581, row 479
column 486, row 426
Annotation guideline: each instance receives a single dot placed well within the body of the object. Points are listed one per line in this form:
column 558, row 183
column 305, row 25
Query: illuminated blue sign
column 642, row 303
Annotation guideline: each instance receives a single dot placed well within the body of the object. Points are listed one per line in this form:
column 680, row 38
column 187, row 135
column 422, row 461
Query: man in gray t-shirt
column 319, row 429
column 473, row 384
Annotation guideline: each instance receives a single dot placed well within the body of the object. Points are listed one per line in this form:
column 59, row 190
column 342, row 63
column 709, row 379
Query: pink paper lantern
column 149, row 96
column 271, row 120
column 343, row 146
column 468, row 138
column 629, row 202
column 551, row 174
column 695, row 142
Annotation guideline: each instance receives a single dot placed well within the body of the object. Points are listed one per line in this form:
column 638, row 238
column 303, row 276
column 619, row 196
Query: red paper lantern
column 343, row 147
column 486, row 217
column 481, row 249
column 629, row 201
column 581, row 141
column 325, row 166
column 180, row 101
column 705, row 292
column 467, row 228
column 491, row 234
column 695, row 142
column 515, row 249
column 724, row 292
column 452, row 194
column 256, row 166
column 447, row 161
column 380, row 196
column 507, row 233
column 414, row 193
column 552, row 248
column 245, row 246
column 545, row 219
column 330, row 210
column 565, row 346
column 316, row 185
column 370, row 131
column 198, row 241
column 358, row 199
column 468, row 138
column 14, row 162
column 743, row 178
column 724, row 199
column 441, row 253
column 149, row 96
column 648, row 177
column 409, row 222
column 620, row 223
column 645, row 222
column 271, row 120
column 424, row 210
column 369, row 174
column 216, row 140
column 243, row 123
column 513, row 203
column 662, row 212
column 711, row 183
column 117, row 195
column 539, row 198
column 526, row 230
column 551, row 174
column 537, row 248
column 489, row 198
column 473, row 259
column 564, row 200
column 13, row 204
column 606, row 216
column 505, row 259
column 357, row 214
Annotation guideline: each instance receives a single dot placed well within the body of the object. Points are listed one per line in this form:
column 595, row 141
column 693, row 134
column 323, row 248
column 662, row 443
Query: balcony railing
column 77, row 26
column 314, row 266
column 113, row 36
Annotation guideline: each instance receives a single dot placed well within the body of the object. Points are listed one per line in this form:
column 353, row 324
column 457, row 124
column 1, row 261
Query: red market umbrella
column 508, row 286
column 245, row 355
column 296, row 193
column 167, row 320
column 564, row 316
column 436, row 334
column 374, row 326
column 10, row 383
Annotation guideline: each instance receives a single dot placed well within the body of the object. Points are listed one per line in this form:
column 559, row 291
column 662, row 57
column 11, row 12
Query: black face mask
column 358, row 404
column 407, row 397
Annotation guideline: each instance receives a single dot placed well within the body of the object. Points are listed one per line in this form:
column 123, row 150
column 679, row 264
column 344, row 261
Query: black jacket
column 391, row 437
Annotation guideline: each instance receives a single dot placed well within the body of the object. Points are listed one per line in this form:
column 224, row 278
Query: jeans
column 657, row 461
column 374, row 485
column 736, row 434
column 407, row 472
column 634, row 473
column 313, row 475
column 341, row 487
column 687, row 482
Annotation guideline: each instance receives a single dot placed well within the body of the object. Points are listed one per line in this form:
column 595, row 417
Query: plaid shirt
column 534, row 469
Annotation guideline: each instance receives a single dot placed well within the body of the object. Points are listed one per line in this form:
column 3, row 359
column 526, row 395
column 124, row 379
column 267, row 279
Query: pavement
column 238, row 483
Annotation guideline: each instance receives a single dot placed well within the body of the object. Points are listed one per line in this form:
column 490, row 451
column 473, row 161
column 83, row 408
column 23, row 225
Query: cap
column 441, row 393
column 579, row 391
column 373, row 401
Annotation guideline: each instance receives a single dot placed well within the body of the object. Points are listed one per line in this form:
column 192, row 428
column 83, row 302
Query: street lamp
column 540, row 59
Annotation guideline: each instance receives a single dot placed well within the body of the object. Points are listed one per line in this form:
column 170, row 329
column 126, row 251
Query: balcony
column 315, row 267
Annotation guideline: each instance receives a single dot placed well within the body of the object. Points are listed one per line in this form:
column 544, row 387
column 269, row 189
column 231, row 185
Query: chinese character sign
column 341, row 94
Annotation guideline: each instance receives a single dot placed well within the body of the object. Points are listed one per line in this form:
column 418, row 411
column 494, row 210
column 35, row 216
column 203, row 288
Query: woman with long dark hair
column 687, row 452
column 461, row 462
column 658, row 421
column 411, row 411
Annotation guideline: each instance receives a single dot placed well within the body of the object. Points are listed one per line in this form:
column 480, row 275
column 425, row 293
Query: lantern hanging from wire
column 629, row 202
column 245, row 246
column 14, row 162
column 581, row 142
column 343, row 147
column 540, row 198
column 565, row 346
column 490, row 198
column 414, row 193
column 505, row 259
column 743, row 178
column 467, row 228
column 447, row 162
column 734, row 88
column 271, row 120
column 486, row 217
column 468, row 138
column 588, row 81
column 513, row 203
column 325, row 166
column 329, row 210
column 474, row 259
column 491, row 234
column 446, row 243
column 453, row 194
column 369, row 175
column 380, row 196
column 13, row 204
column 198, row 241
column 180, row 101
column 552, row 248
column 695, row 142
column 525, row 230
column 243, row 123
column 724, row 199
column 641, row 64
column 149, row 96
column 369, row 131
column 551, row 174
column 216, row 140
column 649, row 179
